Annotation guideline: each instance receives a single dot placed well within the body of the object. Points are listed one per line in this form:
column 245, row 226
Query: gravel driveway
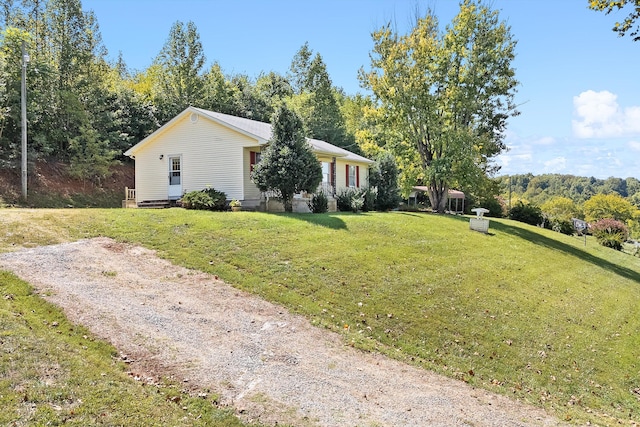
column 270, row 365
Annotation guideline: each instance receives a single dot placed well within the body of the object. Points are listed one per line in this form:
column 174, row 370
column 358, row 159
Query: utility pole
column 509, row 192
column 25, row 60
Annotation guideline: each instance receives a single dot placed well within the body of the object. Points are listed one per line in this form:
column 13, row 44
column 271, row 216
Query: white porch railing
column 326, row 188
column 129, row 198
column 270, row 194
column 129, row 193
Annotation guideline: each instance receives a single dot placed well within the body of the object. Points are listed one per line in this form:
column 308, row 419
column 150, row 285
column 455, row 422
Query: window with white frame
column 353, row 180
column 326, row 172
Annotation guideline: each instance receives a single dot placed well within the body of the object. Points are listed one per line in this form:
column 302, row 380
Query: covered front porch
column 268, row 201
column 271, row 203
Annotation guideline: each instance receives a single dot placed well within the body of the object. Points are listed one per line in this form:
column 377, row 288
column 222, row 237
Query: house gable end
column 186, row 115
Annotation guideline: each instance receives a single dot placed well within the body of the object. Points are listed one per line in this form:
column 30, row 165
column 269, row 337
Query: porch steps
column 154, row 204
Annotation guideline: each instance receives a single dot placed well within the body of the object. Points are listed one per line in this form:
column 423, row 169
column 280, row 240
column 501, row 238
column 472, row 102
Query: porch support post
column 333, row 177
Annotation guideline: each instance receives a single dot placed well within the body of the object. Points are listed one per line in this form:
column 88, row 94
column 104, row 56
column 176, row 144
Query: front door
column 175, row 178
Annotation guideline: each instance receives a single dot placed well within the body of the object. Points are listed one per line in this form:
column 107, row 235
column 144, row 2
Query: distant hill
column 50, row 185
column 539, row 188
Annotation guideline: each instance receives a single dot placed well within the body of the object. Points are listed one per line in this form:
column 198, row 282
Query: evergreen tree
column 384, row 178
column 181, row 60
column 288, row 165
column 315, row 99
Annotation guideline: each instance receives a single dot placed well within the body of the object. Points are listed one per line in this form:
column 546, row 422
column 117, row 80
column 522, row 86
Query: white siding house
column 199, row 149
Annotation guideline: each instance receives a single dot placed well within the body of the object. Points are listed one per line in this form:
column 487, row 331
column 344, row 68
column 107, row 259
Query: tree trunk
column 438, row 193
column 287, row 202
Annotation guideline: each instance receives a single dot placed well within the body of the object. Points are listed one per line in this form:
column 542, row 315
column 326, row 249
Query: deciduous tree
column 90, row 155
column 559, row 213
column 247, row 101
column 10, row 75
column 612, row 205
column 627, row 25
column 560, row 208
column 218, row 91
column 447, row 95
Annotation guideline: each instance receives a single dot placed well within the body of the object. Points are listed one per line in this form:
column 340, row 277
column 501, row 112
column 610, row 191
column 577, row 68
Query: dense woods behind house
column 87, row 110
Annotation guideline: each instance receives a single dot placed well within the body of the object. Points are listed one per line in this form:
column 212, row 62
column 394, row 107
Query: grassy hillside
column 522, row 311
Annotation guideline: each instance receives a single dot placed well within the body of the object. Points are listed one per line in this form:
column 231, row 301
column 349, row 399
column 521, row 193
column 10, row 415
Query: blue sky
column 579, row 90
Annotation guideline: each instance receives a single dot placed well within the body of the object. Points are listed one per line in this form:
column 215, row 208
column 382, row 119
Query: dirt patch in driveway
column 271, row 366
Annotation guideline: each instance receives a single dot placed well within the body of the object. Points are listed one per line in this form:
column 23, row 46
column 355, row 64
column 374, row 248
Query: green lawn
column 53, row 373
column 522, row 311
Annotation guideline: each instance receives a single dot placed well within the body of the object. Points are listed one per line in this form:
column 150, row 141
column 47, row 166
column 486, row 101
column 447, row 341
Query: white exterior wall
column 251, row 192
column 152, row 174
column 341, row 177
column 341, row 174
column 212, row 155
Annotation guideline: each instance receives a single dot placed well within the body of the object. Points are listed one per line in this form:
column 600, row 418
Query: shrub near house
column 208, row 199
column 319, row 203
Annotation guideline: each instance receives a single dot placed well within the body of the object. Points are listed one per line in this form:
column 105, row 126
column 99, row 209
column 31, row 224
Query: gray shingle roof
column 263, row 132
column 253, row 127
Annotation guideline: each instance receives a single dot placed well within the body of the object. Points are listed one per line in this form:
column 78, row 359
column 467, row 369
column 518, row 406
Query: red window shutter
column 347, row 174
column 252, row 161
column 358, row 176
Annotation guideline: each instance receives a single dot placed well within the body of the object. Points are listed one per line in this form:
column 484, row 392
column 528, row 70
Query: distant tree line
column 611, row 206
column 538, row 189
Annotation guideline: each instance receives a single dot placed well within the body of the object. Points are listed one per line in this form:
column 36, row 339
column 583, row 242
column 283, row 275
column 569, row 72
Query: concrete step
column 154, row 204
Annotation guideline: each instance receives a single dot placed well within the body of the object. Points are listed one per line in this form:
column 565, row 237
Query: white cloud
column 632, row 118
column 547, row 140
column 589, row 151
column 589, row 157
column 507, row 159
column 555, row 165
column 599, row 116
